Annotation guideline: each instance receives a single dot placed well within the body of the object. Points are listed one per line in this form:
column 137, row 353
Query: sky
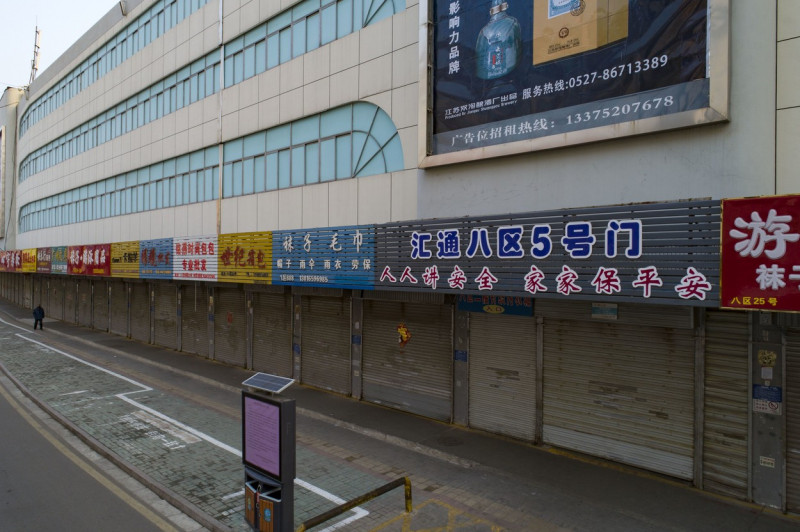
column 60, row 22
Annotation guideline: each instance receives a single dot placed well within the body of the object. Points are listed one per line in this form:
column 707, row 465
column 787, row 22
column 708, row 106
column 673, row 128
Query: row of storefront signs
column 665, row 253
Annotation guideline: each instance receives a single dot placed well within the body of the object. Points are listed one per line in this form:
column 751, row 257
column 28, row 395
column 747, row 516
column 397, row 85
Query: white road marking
column 358, row 511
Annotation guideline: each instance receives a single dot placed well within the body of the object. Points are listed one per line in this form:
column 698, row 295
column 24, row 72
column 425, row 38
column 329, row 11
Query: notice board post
column 268, row 455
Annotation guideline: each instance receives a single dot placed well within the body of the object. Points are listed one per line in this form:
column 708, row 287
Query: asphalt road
column 46, row 484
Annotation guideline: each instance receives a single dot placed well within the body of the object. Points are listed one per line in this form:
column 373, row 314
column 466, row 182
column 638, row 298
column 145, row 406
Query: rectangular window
column 249, row 62
column 313, row 32
column 284, row 168
column 299, row 38
column 345, row 18
column 192, row 182
column 271, row 171
column 238, row 67
column 298, row 166
column 286, row 45
column 343, row 157
column 248, row 176
column 312, row 163
column 227, row 180
column 237, row 178
column 261, row 56
column 273, row 51
column 259, row 169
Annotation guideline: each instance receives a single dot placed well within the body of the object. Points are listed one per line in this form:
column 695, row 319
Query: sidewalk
column 493, row 483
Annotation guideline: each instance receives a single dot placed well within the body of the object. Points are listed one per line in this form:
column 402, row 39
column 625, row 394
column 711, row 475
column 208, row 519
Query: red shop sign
column 760, row 256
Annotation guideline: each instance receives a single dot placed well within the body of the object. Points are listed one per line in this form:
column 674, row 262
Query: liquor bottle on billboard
column 562, row 28
column 499, row 47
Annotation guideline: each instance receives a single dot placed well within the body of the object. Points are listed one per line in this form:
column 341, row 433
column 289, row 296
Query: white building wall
column 788, row 98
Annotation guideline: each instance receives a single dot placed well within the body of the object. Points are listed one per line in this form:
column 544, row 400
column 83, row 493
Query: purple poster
column 262, row 443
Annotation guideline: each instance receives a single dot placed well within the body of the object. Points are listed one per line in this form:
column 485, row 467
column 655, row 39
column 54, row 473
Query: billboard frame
column 718, row 109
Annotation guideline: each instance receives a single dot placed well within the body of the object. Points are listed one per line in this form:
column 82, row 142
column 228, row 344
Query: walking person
column 38, row 316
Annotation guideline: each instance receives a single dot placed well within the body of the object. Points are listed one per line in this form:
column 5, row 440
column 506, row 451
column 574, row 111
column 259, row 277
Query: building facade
column 507, row 215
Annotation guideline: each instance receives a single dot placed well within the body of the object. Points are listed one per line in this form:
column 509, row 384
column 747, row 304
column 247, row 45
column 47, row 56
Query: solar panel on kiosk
column 268, row 383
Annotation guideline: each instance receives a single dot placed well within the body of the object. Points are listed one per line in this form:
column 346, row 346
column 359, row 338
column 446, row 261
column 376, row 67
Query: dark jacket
column 38, row 313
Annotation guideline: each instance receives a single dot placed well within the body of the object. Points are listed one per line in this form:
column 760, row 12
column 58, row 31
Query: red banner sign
column 761, row 253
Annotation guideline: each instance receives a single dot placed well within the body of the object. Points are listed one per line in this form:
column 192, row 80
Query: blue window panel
column 328, row 31
column 393, row 155
column 313, row 32
column 305, row 130
column 192, row 182
column 345, row 19
column 272, row 171
column 298, row 38
column 284, row 168
column 182, row 164
column 212, row 156
column 237, row 178
column 278, row 137
column 249, row 62
column 238, row 67
column 304, row 9
column 312, row 163
column 254, row 144
column 343, row 164
column 196, row 160
column 143, row 176
column 298, row 166
column 273, row 51
column 227, row 180
column 201, row 185
column 279, row 22
column 285, row 45
column 248, row 177
column 363, row 116
column 261, row 56
column 232, row 150
column 327, row 171
column 259, row 175
column 371, row 161
column 336, row 121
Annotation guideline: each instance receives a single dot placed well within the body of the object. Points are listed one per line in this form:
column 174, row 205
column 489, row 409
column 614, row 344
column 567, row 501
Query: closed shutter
column 38, row 280
column 27, row 282
column 70, row 300
column 502, row 374
column 100, row 317
column 165, row 312
column 56, row 304
column 140, row 312
column 792, row 338
column 620, row 391
column 272, row 333
column 194, row 319
column 85, row 302
column 725, row 429
column 230, row 327
column 325, row 337
column 416, row 377
column 119, row 308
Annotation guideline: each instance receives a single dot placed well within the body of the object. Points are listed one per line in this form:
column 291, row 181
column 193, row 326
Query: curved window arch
column 355, row 140
column 248, row 55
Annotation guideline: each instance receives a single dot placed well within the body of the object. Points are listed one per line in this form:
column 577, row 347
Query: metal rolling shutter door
column 792, row 405
column 140, row 312
column 38, row 292
column 85, row 302
column 622, row 392
column 326, row 343
column 502, row 374
column 27, row 294
column 165, row 324
column 70, row 296
column 194, row 319
column 725, row 431
column 272, row 333
column 100, row 316
column 230, row 327
column 56, row 303
column 119, row 308
column 416, row 377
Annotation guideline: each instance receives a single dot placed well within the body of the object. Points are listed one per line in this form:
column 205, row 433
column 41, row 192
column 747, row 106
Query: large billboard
column 510, row 76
